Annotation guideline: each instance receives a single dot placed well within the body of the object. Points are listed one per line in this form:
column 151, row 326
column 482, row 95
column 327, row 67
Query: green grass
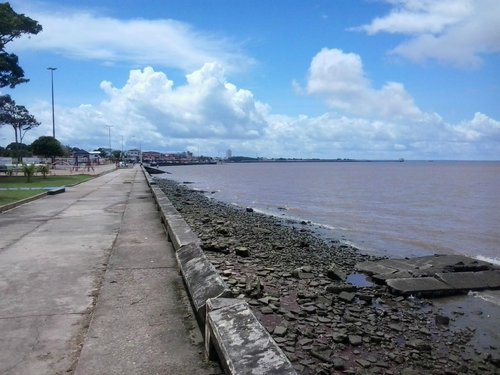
column 7, row 197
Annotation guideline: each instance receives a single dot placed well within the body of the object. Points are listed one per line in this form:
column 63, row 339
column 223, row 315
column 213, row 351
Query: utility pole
column 53, row 117
column 109, row 139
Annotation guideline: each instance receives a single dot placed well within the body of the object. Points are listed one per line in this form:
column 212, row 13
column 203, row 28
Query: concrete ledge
column 232, row 331
column 149, row 179
column 201, row 278
column 57, row 190
column 179, row 232
column 243, row 345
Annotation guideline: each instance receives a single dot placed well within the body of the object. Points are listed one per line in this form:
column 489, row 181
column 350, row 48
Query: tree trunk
column 17, row 145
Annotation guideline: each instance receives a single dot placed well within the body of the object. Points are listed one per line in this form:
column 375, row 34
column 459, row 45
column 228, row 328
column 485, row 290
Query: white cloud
column 84, row 35
column 455, row 32
column 480, row 128
column 419, row 16
column 154, row 111
column 339, row 78
column 208, row 115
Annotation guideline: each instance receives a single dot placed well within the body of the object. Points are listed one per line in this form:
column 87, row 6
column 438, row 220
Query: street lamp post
column 140, row 150
column 109, row 139
column 53, row 117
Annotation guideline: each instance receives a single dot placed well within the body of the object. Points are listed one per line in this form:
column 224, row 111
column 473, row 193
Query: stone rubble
column 295, row 283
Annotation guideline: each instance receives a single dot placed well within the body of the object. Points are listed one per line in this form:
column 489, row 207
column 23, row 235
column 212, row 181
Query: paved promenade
column 89, row 285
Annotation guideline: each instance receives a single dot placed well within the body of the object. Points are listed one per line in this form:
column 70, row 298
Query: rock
column 321, row 356
column 494, row 358
column 396, row 327
column 306, row 294
column 258, row 230
column 338, row 363
column 346, row 296
column 324, row 320
column 266, row 310
column 224, row 231
column 242, row 251
column 303, row 273
column 266, row 300
column 309, row 309
column 442, row 320
column 280, row 340
column 339, row 337
column 305, row 276
column 363, row 363
column 305, row 341
column 365, row 297
column 253, row 287
column 249, row 209
column 420, row 345
column 215, row 247
column 280, row 331
column 335, row 288
column 335, row 273
column 355, row 340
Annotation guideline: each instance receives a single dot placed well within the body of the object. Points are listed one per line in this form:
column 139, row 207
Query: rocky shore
column 326, row 318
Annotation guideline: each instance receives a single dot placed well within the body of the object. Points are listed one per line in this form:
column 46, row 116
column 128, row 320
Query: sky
column 364, row 79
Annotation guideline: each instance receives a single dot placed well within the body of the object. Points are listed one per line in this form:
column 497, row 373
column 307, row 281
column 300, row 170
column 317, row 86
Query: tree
column 17, row 116
column 47, row 147
column 24, row 121
column 103, row 151
column 12, row 26
column 18, row 150
column 116, row 155
column 29, row 170
column 43, row 169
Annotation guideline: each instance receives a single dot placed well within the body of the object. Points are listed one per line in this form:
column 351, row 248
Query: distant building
column 152, row 156
column 133, row 154
column 229, row 154
column 83, row 157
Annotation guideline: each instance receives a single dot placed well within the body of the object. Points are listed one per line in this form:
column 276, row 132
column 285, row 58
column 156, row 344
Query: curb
column 232, row 331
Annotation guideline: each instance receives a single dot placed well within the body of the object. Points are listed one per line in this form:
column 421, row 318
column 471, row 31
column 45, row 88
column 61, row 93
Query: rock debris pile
column 297, row 286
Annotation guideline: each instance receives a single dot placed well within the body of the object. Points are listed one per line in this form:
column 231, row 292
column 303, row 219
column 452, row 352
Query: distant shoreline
column 279, row 160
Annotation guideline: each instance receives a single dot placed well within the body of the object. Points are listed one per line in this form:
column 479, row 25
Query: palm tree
column 29, row 170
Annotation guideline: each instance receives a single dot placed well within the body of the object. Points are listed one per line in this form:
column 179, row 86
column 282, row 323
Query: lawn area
column 7, row 197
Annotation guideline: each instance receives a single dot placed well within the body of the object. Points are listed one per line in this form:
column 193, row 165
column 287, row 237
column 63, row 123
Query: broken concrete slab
column 471, row 280
column 382, row 278
column 375, row 268
column 433, row 275
column 243, row 345
column 418, row 286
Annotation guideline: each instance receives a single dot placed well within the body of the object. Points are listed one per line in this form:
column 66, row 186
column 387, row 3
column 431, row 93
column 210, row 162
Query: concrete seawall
column 231, row 330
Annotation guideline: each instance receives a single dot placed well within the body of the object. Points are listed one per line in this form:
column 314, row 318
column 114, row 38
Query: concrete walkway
column 89, row 285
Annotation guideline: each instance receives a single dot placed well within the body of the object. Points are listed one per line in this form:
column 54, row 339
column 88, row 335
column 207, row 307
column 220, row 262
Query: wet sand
column 293, row 279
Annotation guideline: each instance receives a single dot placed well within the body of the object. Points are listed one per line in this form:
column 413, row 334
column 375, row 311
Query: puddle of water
column 360, row 280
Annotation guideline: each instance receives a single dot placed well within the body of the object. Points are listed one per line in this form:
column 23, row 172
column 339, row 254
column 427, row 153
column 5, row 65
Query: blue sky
column 418, row 79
